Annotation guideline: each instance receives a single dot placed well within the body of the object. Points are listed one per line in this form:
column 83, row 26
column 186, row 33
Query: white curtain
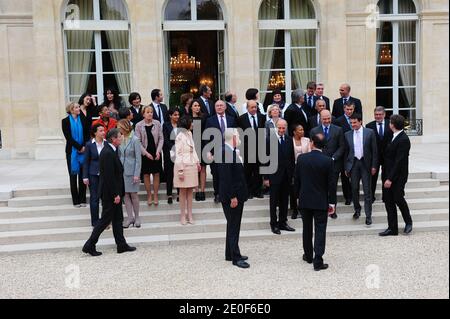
column 407, row 53
column 80, row 40
column 114, row 10
column 269, row 11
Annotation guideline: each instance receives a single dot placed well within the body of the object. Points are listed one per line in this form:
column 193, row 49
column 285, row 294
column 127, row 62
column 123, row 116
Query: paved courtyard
column 360, row 267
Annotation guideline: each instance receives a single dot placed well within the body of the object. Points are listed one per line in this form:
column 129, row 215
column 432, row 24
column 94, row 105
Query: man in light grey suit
column 335, row 144
column 361, row 162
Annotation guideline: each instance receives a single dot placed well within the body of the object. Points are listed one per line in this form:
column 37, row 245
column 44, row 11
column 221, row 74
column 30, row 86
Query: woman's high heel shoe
column 128, row 223
column 137, row 222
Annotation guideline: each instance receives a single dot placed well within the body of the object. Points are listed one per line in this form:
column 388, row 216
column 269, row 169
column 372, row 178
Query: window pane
column 209, row 10
column 271, row 80
column 113, row 10
column 386, row 6
column 385, row 98
column 271, row 10
column 407, row 53
column 82, row 83
column 302, row 9
column 303, row 38
column 81, row 61
column 384, row 33
column 271, row 59
column 384, row 54
column 80, row 40
column 407, row 31
column 117, row 40
column 407, row 98
column 271, row 38
column 116, row 61
column 221, row 62
column 80, row 10
column 178, row 10
column 303, row 58
column 301, row 78
column 384, row 76
column 407, row 75
column 406, row 6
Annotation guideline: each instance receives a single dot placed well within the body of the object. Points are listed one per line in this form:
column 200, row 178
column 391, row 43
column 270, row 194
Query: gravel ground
column 408, row 267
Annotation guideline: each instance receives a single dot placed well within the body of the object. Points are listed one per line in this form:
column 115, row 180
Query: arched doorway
column 195, row 48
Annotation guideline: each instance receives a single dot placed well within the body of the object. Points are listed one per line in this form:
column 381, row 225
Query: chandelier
column 184, row 62
column 385, row 55
column 277, row 81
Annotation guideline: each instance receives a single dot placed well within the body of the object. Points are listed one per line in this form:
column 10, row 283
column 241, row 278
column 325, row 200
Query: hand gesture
column 117, row 200
column 388, row 184
column 234, row 203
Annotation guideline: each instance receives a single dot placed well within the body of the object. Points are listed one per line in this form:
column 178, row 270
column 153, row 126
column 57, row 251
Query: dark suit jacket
column 382, row 143
column 314, row 180
column 370, row 151
column 168, row 142
column 295, row 116
column 137, row 116
column 342, row 122
column 232, row 182
column 91, row 162
column 311, row 111
column 338, row 106
column 230, row 112
column 396, row 159
column 286, row 162
column 70, row 142
column 204, row 109
column 244, row 123
column 111, row 175
column 165, row 113
column 335, row 146
column 313, row 122
column 213, row 122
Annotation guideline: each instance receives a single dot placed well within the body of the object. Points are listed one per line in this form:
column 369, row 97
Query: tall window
column 287, row 46
column 397, row 60
column 97, row 47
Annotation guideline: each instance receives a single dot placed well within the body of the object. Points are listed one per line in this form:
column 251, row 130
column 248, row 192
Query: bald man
column 338, row 107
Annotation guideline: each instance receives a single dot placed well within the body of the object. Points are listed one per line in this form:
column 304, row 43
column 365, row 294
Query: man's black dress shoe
column 309, row 261
column 241, row 264
column 295, row 214
column 388, row 233
column 126, row 249
column 357, row 215
column 348, row 202
column 197, row 197
column 91, row 251
column 244, row 258
column 408, row 229
column 216, row 199
column 369, row 221
column 170, row 201
column 276, row 231
column 259, row 195
column 286, row 227
column 321, row 267
column 334, row 216
column 250, row 197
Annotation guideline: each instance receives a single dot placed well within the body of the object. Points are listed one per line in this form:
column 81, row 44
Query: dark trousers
column 215, row 175
column 234, row 218
column 361, row 172
column 293, row 197
column 320, row 230
column 375, row 181
column 335, row 181
column 168, row 170
column 253, row 178
column 346, row 187
column 279, row 197
column 395, row 196
column 111, row 213
column 77, row 187
column 94, row 181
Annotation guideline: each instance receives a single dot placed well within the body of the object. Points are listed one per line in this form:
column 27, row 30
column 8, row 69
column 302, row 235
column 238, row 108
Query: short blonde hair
column 71, row 106
column 270, row 109
column 125, row 126
column 147, row 107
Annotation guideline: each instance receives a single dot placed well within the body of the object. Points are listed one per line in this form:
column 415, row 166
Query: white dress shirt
column 99, row 146
column 250, row 117
column 397, row 134
column 260, row 107
column 113, row 147
column 358, row 143
column 159, row 112
column 219, row 117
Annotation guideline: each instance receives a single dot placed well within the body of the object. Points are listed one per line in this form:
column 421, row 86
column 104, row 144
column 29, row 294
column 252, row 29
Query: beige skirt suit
column 186, row 162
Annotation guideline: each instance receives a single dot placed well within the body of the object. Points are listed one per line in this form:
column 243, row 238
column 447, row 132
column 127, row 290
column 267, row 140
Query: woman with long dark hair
column 199, row 120
column 170, row 131
column 89, row 111
column 112, row 99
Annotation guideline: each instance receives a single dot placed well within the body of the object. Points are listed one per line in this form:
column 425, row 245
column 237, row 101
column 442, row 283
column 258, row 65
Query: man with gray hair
column 296, row 113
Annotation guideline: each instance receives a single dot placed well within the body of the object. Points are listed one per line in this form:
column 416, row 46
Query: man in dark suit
column 335, row 144
column 338, row 106
column 251, row 123
column 314, row 178
column 396, row 161
column 281, row 181
column 220, row 122
column 206, row 104
column 384, row 136
column 161, row 113
column 345, row 124
column 310, row 98
column 319, row 94
column 360, row 163
column 111, row 191
column 231, row 100
column 297, row 113
column 314, row 121
column 233, row 195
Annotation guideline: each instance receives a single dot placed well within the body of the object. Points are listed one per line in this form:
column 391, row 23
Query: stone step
column 64, row 189
column 64, row 233
column 190, row 238
column 82, row 218
column 53, row 200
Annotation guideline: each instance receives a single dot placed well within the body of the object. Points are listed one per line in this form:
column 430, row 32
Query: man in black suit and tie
column 111, row 191
column 345, row 124
column 251, row 123
column 233, row 195
column 231, row 100
column 161, row 113
column 206, row 104
column 281, row 181
column 297, row 113
column 335, row 144
column 338, row 107
column 220, row 122
column 319, row 94
column 361, row 162
column 384, row 136
column 396, row 161
column 310, row 98
column 314, row 178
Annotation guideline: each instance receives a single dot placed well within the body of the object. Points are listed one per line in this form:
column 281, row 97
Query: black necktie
column 381, row 131
column 255, row 126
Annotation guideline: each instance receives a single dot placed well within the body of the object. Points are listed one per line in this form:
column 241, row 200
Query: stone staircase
column 43, row 219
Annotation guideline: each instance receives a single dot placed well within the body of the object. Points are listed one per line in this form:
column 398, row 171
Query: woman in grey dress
column 131, row 158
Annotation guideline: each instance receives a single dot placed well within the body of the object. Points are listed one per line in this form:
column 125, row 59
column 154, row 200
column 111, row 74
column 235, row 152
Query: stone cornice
column 16, row 19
